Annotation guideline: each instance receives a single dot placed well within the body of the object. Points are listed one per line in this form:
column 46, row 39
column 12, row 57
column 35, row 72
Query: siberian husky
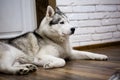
column 48, row 46
column 55, row 30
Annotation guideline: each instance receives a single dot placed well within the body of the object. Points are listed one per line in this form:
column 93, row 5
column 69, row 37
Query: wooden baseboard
column 97, row 45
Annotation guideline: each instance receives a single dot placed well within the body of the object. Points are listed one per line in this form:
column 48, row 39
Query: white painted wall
column 17, row 17
column 96, row 21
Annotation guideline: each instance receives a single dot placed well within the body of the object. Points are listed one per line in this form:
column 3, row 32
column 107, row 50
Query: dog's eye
column 62, row 22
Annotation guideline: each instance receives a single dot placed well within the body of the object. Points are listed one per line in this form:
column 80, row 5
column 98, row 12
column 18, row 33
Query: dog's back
column 27, row 43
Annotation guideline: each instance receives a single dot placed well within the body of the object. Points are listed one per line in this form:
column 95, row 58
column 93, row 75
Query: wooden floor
column 79, row 69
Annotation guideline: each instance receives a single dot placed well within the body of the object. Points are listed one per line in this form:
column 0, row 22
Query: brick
column 114, row 14
column 105, row 29
column 110, row 40
column 107, row 40
column 66, row 9
column 84, row 30
column 108, row 1
column 85, row 37
column 97, row 15
column 85, row 2
column 118, row 7
column 74, row 38
column 77, row 16
column 106, row 7
column 65, row 2
column 116, row 34
column 111, row 21
column 102, row 36
column 78, row 38
column 100, row 15
column 75, row 44
column 116, row 39
column 89, row 43
column 83, row 8
column 75, row 23
column 118, row 27
column 89, row 23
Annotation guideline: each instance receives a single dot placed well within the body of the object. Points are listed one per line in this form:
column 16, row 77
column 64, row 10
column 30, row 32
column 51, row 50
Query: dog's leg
column 7, row 66
column 26, row 63
column 52, row 62
column 87, row 55
column 13, row 67
column 30, row 67
column 21, row 70
column 48, row 61
column 48, row 57
column 10, row 61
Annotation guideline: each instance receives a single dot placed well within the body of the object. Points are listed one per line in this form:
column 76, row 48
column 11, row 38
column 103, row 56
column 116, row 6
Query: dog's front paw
column 47, row 66
column 22, row 71
column 54, row 64
column 100, row 57
column 103, row 57
column 32, row 68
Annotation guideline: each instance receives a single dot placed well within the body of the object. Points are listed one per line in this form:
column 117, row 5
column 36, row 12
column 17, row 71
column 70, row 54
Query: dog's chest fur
column 53, row 48
column 62, row 49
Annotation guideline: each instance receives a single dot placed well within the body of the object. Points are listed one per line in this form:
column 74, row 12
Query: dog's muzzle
column 72, row 30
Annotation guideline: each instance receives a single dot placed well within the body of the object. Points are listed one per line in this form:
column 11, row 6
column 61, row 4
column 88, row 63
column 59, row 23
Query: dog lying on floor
column 48, row 46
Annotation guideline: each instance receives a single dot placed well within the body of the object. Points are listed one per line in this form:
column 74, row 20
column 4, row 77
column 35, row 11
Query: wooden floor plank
column 78, row 69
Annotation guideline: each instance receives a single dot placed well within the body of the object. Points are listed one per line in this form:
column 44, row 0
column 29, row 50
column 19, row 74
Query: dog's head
column 55, row 24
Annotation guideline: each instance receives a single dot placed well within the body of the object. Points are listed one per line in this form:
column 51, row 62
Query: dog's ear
column 58, row 10
column 50, row 11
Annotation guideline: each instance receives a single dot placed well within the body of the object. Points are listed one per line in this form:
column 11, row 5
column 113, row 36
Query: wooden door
column 41, row 6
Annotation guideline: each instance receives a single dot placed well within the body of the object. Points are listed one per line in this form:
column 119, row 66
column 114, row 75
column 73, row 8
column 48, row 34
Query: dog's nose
column 72, row 30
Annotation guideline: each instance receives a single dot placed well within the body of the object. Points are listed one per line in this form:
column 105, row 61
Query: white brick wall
column 110, row 21
column 83, row 8
column 106, row 8
column 96, row 21
column 106, row 29
column 118, row 27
